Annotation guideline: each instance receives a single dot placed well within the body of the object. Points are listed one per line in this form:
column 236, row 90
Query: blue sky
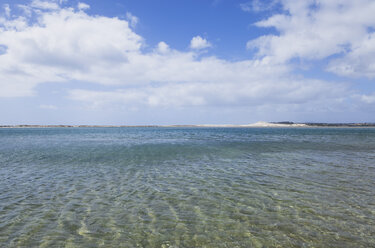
column 186, row 62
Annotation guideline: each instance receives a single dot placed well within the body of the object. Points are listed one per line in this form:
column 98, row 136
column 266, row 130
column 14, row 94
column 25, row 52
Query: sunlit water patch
column 187, row 187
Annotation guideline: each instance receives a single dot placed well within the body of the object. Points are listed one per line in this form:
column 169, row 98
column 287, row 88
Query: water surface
column 187, row 187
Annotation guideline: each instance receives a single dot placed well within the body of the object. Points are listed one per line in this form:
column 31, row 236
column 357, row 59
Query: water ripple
column 186, row 187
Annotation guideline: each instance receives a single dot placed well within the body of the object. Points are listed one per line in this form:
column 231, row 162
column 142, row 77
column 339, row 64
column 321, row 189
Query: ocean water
column 187, row 187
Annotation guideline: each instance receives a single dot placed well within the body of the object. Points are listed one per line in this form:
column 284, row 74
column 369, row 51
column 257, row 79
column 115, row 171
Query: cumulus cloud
column 199, row 43
column 162, row 47
column 320, row 29
column 61, row 47
column 66, row 44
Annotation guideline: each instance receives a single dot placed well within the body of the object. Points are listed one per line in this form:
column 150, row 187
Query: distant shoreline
column 254, row 125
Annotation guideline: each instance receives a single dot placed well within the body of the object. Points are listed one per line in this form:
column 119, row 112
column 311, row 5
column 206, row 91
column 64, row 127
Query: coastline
column 254, row 125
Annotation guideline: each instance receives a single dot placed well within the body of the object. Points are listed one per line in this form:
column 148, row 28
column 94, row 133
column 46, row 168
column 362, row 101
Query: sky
column 138, row 62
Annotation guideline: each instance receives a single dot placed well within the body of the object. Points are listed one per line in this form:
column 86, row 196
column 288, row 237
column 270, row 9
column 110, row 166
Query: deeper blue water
column 187, row 187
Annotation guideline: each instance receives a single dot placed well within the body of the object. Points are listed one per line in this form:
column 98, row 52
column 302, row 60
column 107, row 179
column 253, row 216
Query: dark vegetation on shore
column 43, row 126
column 322, row 124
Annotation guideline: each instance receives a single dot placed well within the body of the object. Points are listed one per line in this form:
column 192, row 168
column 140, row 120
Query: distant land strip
column 258, row 124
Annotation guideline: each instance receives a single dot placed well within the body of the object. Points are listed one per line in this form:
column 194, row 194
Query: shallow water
column 187, row 187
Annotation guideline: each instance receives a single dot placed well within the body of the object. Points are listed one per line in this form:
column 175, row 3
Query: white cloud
column 199, row 43
column 27, row 10
column 247, row 7
column 133, row 20
column 256, row 93
column 315, row 30
column 162, row 47
column 44, row 5
column 83, row 6
column 68, row 45
column 369, row 99
column 64, row 45
column 360, row 61
column 7, row 10
column 258, row 5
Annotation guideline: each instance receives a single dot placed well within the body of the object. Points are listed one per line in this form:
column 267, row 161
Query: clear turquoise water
column 187, row 187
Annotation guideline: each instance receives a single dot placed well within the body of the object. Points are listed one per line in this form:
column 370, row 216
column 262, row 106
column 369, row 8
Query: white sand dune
column 267, row 124
column 257, row 124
